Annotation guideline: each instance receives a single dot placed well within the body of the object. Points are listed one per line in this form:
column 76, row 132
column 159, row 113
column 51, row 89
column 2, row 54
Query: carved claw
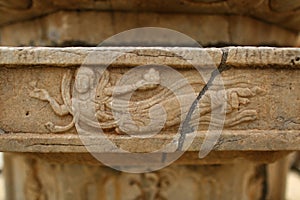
column 57, row 129
column 50, row 126
column 33, row 84
column 258, row 90
column 247, row 115
column 243, row 101
column 41, row 94
column 118, row 131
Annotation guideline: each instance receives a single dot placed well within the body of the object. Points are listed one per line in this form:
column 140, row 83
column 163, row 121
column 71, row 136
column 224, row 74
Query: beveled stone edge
column 230, row 140
column 188, row 158
column 239, row 57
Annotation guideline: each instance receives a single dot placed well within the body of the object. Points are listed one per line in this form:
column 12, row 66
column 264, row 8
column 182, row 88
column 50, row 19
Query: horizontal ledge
column 230, row 140
column 281, row 14
column 180, row 57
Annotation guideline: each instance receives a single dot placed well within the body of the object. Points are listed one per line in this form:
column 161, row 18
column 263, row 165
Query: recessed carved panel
column 239, row 92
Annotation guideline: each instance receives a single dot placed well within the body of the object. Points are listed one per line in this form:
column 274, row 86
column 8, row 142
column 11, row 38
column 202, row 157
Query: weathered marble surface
column 252, row 140
column 238, row 57
column 243, row 148
column 274, row 123
column 242, row 180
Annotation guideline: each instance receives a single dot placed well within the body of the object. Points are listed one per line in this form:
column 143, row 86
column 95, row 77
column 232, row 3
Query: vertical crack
column 186, row 128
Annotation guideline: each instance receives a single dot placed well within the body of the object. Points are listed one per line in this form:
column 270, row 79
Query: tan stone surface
column 250, row 57
column 252, row 125
column 277, row 176
column 229, row 141
column 260, row 126
column 38, row 179
column 292, row 193
column 188, row 158
column 85, row 28
column 74, row 57
column 275, row 11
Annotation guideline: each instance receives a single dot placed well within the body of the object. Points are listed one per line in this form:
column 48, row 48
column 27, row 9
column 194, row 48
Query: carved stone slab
column 262, row 95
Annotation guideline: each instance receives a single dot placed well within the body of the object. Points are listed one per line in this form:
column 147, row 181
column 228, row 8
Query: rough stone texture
column 275, row 11
column 271, row 126
column 64, row 23
column 39, row 179
column 263, row 139
column 229, row 141
column 267, row 136
column 238, row 57
column 85, row 28
column 32, row 114
column 188, row 158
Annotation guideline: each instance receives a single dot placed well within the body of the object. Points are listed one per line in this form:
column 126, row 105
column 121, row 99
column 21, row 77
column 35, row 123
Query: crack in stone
column 61, row 144
column 160, row 53
column 223, row 141
column 186, row 128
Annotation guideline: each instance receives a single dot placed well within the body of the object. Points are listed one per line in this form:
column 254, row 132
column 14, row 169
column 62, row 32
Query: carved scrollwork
column 238, row 95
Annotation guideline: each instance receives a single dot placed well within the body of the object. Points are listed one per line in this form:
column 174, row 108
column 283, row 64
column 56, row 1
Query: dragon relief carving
column 238, row 94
